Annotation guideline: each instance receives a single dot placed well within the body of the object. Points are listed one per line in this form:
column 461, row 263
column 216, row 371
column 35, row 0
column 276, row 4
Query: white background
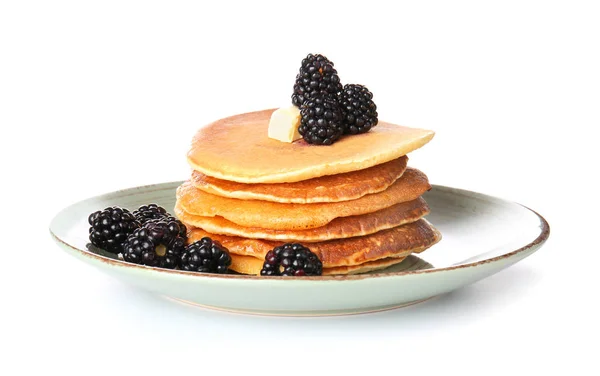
column 99, row 96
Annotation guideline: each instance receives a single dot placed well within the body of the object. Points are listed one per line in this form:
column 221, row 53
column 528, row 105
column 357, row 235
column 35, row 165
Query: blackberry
column 321, row 120
column 358, row 108
column 110, row 228
column 316, row 75
column 157, row 243
column 291, row 259
column 206, row 256
column 149, row 212
column 182, row 230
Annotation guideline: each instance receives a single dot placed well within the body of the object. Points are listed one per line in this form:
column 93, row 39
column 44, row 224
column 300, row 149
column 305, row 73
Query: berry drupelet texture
column 358, row 109
column 291, row 259
column 149, row 212
column 157, row 243
column 109, row 228
column 316, row 76
column 172, row 221
column 206, row 256
column 321, row 120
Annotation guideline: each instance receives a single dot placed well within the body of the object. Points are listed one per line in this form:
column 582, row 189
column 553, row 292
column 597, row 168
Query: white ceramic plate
column 481, row 236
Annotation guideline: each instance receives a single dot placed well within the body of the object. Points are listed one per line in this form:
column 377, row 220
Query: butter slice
column 284, row 124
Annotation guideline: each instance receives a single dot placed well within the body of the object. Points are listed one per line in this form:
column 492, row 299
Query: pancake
column 237, row 148
column 331, row 188
column 396, row 242
column 339, row 228
column 273, row 215
column 252, row 265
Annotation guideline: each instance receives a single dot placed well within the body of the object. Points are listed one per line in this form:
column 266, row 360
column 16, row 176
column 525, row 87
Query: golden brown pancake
column 253, row 265
column 273, row 215
column 339, row 228
column 331, row 188
column 396, row 242
column 237, row 148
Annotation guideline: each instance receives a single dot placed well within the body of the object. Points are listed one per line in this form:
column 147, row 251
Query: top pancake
column 331, row 188
column 237, row 148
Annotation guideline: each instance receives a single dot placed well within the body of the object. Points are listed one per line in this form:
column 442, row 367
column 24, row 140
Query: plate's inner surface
column 474, row 227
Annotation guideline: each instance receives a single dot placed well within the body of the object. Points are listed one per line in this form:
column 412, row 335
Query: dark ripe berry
column 110, row 227
column 316, row 76
column 291, row 259
column 358, row 109
column 149, row 212
column 321, row 120
column 157, row 243
column 172, row 221
column 206, row 256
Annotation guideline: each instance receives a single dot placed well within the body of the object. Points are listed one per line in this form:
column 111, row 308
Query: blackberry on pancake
column 316, row 76
column 358, row 109
column 321, row 120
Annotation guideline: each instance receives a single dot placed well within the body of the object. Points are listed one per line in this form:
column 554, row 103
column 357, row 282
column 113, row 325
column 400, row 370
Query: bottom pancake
column 396, row 242
column 252, row 265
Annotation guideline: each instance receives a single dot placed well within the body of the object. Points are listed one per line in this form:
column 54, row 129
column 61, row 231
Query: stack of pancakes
column 355, row 204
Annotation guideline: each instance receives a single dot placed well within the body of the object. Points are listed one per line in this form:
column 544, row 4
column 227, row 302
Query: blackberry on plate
column 321, row 120
column 205, row 255
column 157, row 243
column 291, row 259
column 358, row 109
column 181, row 229
column 110, row 227
column 149, row 212
column 317, row 75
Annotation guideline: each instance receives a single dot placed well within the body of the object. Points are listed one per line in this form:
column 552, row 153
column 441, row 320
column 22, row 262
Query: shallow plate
column 481, row 236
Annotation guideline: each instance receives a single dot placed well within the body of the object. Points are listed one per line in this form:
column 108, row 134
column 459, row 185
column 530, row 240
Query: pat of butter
column 284, row 124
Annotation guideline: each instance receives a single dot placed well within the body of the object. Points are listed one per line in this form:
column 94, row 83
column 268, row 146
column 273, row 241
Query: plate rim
column 540, row 239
